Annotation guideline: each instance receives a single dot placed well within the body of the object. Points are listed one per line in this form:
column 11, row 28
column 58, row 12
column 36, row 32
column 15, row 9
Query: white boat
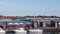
column 20, row 31
column 36, row 31
column 2, row 31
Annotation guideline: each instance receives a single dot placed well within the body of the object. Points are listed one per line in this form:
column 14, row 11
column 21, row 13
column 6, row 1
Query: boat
column 20, row 31
column 2, row 31
column 36, row 31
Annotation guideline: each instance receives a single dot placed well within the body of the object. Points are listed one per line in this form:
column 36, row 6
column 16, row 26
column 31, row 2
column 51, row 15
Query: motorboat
column 36, row 31
column 20, row 31
column 2, row 31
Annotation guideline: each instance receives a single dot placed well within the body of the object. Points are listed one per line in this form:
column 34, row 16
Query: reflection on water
column 58, row 32
column 10, row 32
column 27, row 32
column 50, row 32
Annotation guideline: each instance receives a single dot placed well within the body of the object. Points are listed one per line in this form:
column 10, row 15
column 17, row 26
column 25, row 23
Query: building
column 48, row 25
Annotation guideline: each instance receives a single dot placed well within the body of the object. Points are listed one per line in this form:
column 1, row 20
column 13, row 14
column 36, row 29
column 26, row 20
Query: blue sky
column 29, row 7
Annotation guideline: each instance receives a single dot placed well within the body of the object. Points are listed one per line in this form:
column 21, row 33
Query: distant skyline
column 29, row 7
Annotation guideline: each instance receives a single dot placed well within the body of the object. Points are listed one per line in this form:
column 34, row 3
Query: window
column 40, row 24
column 50, row 23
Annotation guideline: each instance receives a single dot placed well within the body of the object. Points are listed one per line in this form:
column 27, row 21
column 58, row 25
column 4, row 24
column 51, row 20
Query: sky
column 29, row 7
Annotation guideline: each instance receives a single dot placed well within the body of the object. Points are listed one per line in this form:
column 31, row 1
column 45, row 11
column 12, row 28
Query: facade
column 48, row 25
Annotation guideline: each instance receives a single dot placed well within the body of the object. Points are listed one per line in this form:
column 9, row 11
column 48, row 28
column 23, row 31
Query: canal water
column 10, row 32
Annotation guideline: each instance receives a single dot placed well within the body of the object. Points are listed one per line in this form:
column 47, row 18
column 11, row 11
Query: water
column 13, row 32
column 10, row 32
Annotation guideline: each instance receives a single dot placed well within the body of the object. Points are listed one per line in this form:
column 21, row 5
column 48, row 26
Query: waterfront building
column 48, row 25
